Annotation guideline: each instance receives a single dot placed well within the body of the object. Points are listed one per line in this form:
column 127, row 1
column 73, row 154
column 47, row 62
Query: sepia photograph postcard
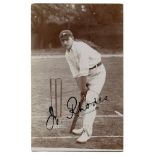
column 77, row 77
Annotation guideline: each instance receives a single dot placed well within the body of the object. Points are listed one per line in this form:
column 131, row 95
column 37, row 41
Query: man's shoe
column 84, row 137
column 77, row 131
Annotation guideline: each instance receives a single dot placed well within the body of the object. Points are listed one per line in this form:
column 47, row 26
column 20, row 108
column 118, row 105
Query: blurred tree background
column 101, row 24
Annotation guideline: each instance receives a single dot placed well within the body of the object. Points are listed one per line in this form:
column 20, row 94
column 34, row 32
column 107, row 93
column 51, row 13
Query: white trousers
column 95, row 80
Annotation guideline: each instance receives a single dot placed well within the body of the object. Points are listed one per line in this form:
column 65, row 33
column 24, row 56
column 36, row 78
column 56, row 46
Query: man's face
column 67, row 43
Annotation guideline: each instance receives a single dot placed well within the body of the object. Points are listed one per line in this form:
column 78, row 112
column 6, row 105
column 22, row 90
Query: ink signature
column 72, row 105
column 101, row 100
column 52, row 119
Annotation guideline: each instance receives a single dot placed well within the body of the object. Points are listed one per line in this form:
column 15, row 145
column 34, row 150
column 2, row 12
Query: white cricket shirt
column 81, row 57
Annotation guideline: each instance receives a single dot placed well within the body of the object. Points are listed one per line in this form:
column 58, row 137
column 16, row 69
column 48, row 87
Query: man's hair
column 90, row 43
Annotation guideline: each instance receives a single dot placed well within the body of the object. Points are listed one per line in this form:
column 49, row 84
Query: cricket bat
column 76, row 115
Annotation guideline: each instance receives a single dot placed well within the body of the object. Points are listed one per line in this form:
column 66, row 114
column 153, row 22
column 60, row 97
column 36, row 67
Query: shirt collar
column 71, row 49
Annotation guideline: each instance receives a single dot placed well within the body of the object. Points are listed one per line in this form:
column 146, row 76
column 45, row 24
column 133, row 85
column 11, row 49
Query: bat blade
column 76, row 115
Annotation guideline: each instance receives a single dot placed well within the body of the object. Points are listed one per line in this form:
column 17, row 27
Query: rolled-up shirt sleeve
column 83, row 61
